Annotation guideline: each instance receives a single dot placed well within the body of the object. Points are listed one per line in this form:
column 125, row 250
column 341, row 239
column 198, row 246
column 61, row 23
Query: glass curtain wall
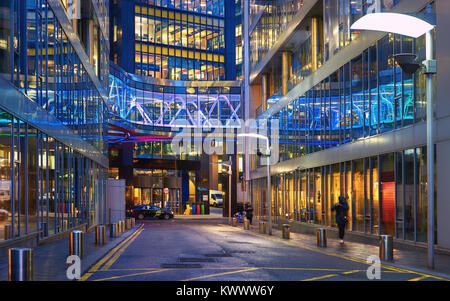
column 179, row 45
column 39, row 182
column 387, row 194
column 365, row 97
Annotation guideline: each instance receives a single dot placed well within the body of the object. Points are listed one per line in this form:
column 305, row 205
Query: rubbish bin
column 76, row 243
column 198, row 209
column 262, row 227
column 21, row 265
column 286, row 231
column 202, row 209
column 100, row 235
column 322, row 237
column 386, row 250
column 194, row 209
column 7, row 232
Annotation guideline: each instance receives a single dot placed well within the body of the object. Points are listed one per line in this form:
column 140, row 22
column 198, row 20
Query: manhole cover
column 239, row 242
column 181, row 266
column 196, row 259
column 218, row 255
column 239, row 252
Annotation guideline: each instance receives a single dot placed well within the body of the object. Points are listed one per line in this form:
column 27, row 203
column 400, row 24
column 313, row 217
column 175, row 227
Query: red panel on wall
column 388, row 202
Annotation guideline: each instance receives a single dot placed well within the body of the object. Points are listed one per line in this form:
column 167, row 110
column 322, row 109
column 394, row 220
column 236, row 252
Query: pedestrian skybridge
column 144, row 101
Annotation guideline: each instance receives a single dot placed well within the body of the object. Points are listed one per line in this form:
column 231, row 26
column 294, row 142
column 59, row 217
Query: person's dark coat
column 341, row 209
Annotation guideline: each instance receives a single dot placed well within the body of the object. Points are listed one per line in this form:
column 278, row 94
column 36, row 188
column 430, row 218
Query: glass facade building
column 342, row 104
column 54, row 74
column 173, row 40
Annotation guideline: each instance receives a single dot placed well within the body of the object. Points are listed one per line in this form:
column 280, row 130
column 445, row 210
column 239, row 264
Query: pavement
column 50, row 258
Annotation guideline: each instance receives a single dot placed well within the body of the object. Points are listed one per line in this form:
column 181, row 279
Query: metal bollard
column 100, row 235
column 76, row 243
column 21, row 264
column 133, row 222
column 123, row 226
column 113, row 230
column 7, row 232
column 119, row 226
column 65, row 228
column 44, row 229
column 322, row 237
column 262, row 227
column 128, row 224
column 246, row 224
column 386, row 250
column 286, row 231
column 234, row 222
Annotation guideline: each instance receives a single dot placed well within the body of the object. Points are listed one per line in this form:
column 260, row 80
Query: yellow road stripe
column 119, row 253
column 321, row 277
column 221, row 274
column 419, row 278
column 395, row 269
column 351, row 272
column 130, row 275
column 93, row 269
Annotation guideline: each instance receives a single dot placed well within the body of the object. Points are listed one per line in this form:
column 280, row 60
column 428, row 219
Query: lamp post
column 413, row 27
column 266, row 155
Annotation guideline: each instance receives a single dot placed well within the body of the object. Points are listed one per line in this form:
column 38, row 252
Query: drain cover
column 219, row 255
column 239, row 252
column 196, row 259
column 181, row 266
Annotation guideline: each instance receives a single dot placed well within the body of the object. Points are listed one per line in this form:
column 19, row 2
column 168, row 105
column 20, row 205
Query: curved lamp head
column 394, row 23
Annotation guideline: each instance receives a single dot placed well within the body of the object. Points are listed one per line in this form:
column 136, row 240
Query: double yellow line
column 109, row 258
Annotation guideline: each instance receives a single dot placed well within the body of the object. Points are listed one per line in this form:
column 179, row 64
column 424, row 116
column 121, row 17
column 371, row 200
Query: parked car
column 152, row 211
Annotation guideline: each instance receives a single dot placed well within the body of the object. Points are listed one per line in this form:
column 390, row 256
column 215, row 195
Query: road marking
column 120, row 252
column 355, row 259
column 351, row 272
column 130, row 275
column 321, row 277
column 221, row 274
column 95, row 268
column 418, row 278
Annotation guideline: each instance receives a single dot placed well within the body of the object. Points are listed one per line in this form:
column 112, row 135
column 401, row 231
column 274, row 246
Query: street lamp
column 413, row 27
column 267, row 155
column 228, row 164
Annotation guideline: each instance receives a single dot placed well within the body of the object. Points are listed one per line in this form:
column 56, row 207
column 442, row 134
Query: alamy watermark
column 74, row 9
column 216, row 138
column 374, row 270
column 73, row 271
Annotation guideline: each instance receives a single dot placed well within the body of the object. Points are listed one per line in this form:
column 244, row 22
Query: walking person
column 341, row 209
column 249, row 213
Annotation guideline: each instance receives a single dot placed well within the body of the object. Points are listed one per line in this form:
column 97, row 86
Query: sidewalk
column 412, row 260
column 199, row 216
column 50, row 258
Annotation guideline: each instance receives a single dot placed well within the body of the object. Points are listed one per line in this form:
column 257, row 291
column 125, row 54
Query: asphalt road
column 211, row 250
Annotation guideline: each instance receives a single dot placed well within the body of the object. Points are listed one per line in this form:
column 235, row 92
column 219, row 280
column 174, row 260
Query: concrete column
column 264, row 91
column 316, row 41
column 285, row 58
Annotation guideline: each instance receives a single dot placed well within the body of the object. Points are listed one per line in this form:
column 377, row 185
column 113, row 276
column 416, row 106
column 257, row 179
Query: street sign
column 166, row 190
